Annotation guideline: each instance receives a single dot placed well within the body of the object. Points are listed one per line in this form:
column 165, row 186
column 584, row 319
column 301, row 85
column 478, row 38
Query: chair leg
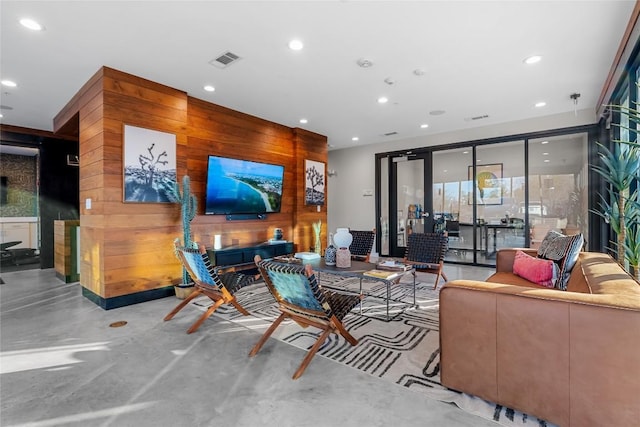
column 438, row 274
column 256, row 348
column 345, row 334
column 180, row 306
column 311, row 353
column 238, row 307
column 205, row 316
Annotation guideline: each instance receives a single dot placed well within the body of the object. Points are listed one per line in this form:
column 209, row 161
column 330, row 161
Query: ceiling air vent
column 390, row 133
column 224, row 60
column 470, row 119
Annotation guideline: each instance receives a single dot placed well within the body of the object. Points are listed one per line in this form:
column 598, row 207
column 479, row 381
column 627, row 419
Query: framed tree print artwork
column 149, row 165
column 488, row 184
column 314, row 183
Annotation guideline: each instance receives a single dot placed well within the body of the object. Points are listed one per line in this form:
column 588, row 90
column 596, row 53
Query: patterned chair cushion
column 564, row 251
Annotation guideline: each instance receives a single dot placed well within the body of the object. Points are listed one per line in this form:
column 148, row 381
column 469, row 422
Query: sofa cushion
column 564, row 251
column 543, row 272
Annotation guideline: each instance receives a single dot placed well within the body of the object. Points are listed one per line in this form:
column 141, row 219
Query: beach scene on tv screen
column 241, row 186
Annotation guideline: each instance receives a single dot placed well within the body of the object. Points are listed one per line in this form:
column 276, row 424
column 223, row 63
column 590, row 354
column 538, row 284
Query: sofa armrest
column 505, row 258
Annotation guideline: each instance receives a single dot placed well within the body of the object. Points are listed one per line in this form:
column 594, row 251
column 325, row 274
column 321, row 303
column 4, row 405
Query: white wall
column 355, row 167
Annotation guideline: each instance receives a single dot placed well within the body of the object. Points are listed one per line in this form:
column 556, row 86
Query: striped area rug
column 404, row 350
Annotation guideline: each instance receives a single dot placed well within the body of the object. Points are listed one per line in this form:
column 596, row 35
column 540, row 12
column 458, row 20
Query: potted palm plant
column 620, row 206
column 188, row 209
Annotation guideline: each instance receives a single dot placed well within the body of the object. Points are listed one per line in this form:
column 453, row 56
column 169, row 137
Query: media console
column 233, row 255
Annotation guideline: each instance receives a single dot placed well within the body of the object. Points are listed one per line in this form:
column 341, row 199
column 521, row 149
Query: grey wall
column 355, row 167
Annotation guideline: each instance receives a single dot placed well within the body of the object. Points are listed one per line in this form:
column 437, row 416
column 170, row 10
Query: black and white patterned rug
column 404, row 350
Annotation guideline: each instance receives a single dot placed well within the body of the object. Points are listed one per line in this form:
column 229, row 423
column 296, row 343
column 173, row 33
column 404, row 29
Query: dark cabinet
column 234, row 255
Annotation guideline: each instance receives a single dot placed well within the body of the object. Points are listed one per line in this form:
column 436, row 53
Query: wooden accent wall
column 64, row 253
column 127, row 247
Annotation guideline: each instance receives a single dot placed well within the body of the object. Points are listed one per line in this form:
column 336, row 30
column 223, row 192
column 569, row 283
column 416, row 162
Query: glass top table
column 358, row 270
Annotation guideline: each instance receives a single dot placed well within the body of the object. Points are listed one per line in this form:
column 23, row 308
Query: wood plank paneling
column 127, row 247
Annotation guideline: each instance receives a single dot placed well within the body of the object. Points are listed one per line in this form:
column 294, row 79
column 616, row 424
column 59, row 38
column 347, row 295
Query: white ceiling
column 471, row 52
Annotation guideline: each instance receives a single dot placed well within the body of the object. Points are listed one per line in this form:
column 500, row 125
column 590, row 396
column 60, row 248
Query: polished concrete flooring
column 62, row 364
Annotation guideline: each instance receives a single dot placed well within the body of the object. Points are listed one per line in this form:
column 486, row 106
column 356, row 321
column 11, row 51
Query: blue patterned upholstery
column 218, row 287
column 300, row 297
column 295, row 289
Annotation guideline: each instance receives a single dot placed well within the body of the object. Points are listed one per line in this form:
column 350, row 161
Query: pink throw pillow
column 539, row 271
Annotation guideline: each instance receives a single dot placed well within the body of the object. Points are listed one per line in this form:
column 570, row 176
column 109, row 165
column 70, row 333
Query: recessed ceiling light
column 445, row 171
column 8, row 83
column 296, row 44
column 209, row 88
column 465, row 152
column 547, row 160
column 545, row 154
column 532, row 59
column 1, row 115
column 540, row 104
column 31, row 24
column 544, row 142
column 355, row 138
column 383, row 100
column 424, row 126
column 364, row 63
column 303, row 121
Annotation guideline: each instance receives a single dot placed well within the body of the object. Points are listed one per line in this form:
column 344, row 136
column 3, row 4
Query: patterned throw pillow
column 543, row 272
column 564, row 251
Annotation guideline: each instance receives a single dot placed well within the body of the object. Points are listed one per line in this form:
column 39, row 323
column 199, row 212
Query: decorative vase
column 343, row 258
column 317, row 245
column 277, row 234
column 343, row 240
column 330, row 252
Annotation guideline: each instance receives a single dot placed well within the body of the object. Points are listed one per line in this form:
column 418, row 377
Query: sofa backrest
column 603, row 275
column 577, row 281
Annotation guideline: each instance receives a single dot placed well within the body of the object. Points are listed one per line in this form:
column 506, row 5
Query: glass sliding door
column 558, row 174
column 498, row 180
column 452, row 200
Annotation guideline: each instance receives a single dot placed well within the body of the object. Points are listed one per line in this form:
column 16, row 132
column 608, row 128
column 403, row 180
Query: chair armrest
column 506, row 257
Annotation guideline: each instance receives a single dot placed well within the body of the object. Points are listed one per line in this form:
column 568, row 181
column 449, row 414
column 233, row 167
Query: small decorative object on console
column 331, row 252
column 343, row 240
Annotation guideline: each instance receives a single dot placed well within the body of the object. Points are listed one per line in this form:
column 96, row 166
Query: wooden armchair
column 301, row 298
column 426, row 251
column 215, row 284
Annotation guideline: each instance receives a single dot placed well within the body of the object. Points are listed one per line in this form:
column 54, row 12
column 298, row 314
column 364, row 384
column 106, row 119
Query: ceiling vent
column 224, row 60
column 470, row 119
column 390, row 133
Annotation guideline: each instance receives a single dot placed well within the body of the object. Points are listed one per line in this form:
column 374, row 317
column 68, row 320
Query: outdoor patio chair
column 426, row 251
column 219, row 284
column 301, row 298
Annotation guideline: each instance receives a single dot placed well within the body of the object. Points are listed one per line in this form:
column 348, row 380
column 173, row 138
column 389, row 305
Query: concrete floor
column 61, row 364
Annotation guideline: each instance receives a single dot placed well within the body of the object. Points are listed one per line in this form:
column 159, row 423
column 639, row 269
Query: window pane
column 558, row 173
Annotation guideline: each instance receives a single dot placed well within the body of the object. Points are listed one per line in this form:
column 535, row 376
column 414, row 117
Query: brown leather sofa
column 571, row 357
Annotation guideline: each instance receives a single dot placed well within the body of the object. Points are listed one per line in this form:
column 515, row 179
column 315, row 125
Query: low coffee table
column 362, row 271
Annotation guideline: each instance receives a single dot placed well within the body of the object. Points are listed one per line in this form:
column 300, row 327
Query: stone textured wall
column 21, row 173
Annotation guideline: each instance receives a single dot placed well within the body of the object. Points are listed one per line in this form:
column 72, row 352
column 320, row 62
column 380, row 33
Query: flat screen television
column 237, row 186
